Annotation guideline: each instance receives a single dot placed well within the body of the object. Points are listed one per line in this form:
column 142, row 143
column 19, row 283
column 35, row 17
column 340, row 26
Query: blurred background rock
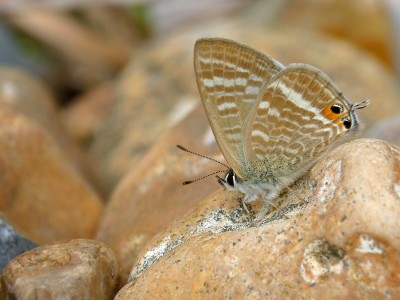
column 79, row 48
column 75, row 44
column 109, row 88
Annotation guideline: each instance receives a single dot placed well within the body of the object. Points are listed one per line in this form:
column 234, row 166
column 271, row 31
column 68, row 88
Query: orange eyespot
column 337, row 108
column 333, row 112
column 337, row 114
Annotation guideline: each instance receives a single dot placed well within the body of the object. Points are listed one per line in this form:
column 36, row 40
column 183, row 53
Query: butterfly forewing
column 293, row 123
column 230, row 77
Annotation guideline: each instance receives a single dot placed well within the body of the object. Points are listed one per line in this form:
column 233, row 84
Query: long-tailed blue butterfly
column 271, row 122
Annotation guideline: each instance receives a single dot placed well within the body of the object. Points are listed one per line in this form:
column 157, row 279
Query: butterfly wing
column 300, row 115
column 230, row 76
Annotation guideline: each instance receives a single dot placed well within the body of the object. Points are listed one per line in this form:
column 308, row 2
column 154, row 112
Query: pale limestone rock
column 335, row 234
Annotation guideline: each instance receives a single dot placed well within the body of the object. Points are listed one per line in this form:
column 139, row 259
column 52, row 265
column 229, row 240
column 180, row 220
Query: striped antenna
column 200, row 178
column 203, row 156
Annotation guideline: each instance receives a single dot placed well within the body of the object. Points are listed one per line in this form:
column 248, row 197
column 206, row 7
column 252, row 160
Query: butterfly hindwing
column 230, row 77
column 294, row 122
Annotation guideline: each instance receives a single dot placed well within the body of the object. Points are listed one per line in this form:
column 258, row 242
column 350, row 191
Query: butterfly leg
column 247, row 199
column 268, row 204
column 245, row 207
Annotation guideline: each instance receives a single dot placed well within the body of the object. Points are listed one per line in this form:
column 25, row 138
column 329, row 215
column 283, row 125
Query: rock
column 369, row 24
column 388, row 130
column 335, row 232
column 160, row 81
column 87, row 112
column 76, row 269
column 25, row 95
column 152, row 195
column 88, row 58
column 42, row 194
column 12, row 243
column 145, row 107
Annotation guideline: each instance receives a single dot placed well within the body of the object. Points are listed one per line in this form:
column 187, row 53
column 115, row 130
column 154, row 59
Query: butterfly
column 271, row 122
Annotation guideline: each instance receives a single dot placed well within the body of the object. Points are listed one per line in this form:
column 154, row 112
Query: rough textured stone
column 77, row 269
column 41, row 193
column 160, row 81
column 151, row 195
column 12, row 243
column 335, row 234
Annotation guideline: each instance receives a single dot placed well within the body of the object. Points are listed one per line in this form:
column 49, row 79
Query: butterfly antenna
column 191, row 181
column 212, row 159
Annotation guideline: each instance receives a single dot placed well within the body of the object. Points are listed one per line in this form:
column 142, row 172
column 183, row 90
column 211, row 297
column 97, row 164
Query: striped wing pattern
column 230, row 77
column 291, row 126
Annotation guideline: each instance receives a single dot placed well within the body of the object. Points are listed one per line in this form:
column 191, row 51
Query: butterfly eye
column 337, row 109
column 346, row 123
column 230, row 178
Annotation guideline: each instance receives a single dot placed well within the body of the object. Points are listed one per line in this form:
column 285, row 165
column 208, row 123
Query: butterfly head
column 229, row 181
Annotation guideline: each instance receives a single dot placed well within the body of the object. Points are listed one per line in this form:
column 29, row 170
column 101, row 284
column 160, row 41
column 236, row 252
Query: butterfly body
column 253, row 188
column 271, row 122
